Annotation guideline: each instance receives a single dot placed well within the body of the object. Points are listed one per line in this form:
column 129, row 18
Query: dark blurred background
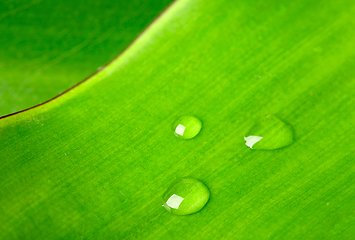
column 48, row 46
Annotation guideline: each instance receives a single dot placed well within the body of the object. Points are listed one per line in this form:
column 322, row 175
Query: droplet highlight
column 269, row 133
column 251, row 140
column 187, row 127
column 186, row 196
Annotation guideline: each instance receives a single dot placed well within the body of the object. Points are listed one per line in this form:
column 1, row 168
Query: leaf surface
column 95, row 162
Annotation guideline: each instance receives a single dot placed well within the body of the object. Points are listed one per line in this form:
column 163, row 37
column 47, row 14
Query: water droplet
column 186, row 196
column 187, row 127
column 269, row 133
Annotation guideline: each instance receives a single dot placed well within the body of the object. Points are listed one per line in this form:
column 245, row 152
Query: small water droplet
column 269, row 133
column 187, row 127
column 186, row 196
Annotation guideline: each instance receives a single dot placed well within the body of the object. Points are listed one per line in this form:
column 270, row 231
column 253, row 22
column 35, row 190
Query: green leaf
column 47, row 47
column 95, row 162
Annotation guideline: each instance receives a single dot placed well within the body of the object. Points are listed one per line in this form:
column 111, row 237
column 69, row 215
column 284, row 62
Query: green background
column 49, row 46
column 94, row 163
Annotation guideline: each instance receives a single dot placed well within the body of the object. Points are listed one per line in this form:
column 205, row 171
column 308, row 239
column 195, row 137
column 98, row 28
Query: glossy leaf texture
column 95, row 162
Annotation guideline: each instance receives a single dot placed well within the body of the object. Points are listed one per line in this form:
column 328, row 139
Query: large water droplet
column 187, row 127
column 186, row 196
column 269, row 133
